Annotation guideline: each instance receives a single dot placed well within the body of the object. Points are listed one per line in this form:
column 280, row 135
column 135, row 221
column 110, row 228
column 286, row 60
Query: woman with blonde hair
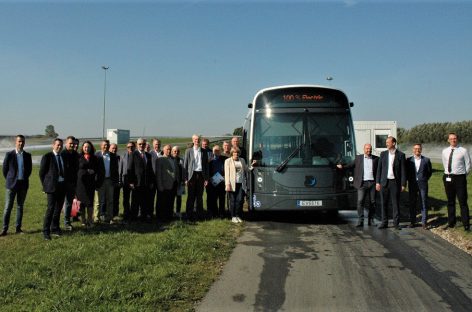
column 236, row 171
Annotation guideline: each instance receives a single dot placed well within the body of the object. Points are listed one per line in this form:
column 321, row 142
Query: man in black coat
column 365, row 171
column 17, row 166
column 141, row 180
column 71, row 162
column 52, row 173
column 391, row 181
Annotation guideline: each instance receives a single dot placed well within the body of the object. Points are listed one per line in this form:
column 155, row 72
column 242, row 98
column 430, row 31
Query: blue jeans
column 20, row 194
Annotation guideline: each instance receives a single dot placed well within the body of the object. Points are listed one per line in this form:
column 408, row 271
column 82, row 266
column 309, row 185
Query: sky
column 183, row 67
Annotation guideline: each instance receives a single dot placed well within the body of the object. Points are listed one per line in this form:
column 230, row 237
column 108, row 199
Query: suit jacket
column 189, row 164
column 71, row 161
column 10, row 168
column 421, row 177
column 166, row 171
column 123, row 168
column 399, row 168
column 358, row 165
column 114, row 176
column 140, row 172
column 230, row 173
column 154, row 157
column 49, row 172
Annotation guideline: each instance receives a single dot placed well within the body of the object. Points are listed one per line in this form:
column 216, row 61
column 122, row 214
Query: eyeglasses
column 129, row 146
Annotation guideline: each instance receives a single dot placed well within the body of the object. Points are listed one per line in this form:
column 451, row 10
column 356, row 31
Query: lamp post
column 105, row 68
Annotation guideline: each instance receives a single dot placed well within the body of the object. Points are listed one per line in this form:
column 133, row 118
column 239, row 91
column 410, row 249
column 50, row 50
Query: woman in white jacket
column 236, row 172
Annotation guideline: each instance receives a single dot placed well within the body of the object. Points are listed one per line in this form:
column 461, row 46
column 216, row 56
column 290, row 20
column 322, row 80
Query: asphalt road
column 314, row 263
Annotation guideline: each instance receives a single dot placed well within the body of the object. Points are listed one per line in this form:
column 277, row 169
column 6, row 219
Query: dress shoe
column 19, row 231
column 47, row 237
column 382, row 226
column 57, row 233
column 360, row 224
column 397, row 227
column 370, row 222
column 4, row 233
column 448, row 226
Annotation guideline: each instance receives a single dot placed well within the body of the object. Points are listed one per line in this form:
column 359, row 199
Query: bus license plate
column 309, row 203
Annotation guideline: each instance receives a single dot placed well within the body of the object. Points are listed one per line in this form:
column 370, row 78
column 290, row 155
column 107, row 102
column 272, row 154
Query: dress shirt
column 460, row 160
column 368, row 169
column 197, row 154
column 21, row 167
column 106, row 163
column 417, row 163
column 391, row 160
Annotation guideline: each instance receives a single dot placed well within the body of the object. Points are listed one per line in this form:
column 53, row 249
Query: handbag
column 75, row 208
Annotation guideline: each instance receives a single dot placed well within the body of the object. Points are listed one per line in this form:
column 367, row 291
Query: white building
column 375, row 133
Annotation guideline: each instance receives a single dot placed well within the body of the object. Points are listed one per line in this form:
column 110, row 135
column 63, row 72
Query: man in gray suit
column 166, row 180
column 196, row 177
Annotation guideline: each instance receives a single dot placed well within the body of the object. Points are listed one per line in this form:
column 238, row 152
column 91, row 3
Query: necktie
column 59, row 163
column 449, row 164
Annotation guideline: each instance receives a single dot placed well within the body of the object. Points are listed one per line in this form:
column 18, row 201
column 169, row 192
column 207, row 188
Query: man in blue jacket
column 419, row 170
column 17, row 167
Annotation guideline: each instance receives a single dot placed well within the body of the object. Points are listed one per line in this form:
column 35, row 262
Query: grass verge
column 138, row 267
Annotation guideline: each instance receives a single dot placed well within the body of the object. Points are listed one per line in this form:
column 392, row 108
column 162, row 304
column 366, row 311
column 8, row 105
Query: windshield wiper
column 284, row 163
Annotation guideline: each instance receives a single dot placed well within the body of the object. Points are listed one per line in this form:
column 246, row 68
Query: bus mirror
column 348, row 146
column 249, row 105
column 351, row 104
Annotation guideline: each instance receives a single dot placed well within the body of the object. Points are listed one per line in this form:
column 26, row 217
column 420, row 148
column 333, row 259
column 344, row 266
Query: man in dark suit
column 123, row 177
column 17, row 166
column 141, row 180
column 108, row 164
column 196, row 173
column 116, row 191
column 419, row 170
column 391, row 181
column 52, row 173
column 71, row 162
column 365, row 171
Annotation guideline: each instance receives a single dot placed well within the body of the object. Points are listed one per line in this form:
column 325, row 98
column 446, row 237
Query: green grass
column 139, row 267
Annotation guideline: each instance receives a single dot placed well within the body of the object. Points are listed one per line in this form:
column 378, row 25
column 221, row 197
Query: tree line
column 436, row 132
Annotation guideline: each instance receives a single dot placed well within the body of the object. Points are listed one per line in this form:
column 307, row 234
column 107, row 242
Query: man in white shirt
column 456, row 162
column 196, row 175
column 391, row 181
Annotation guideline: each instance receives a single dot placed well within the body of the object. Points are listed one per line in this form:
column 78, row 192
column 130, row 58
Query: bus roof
column 293, row 86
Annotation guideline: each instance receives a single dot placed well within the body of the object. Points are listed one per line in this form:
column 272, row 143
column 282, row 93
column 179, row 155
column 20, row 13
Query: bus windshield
column 302, row 139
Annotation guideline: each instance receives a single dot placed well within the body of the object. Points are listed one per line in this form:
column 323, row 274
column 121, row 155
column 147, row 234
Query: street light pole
column 105, row 68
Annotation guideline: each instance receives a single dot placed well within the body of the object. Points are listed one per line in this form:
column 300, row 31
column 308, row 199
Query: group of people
column 152, row 181
column 390, row 173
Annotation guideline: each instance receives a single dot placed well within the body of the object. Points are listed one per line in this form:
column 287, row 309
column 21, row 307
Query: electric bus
column 294, row 136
